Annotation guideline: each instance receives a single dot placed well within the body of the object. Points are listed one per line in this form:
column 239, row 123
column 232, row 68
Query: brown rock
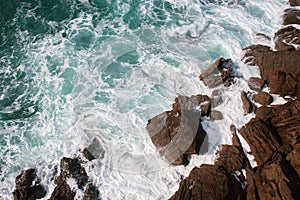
column 291, row 16
column 175, row 135
column 256, row 83
column 71, row 168
column 261, row 140
column 278, row 68
column 62, row 192
column 286, row 38
column 216, row 115
column 247, row 105
column 294, row 158
column 252, row 54
column 276, row 180
column 294, row 2
column 263, row 98
column 192, row 103
column 28, row 186
column 284, row 118
column 220, row 72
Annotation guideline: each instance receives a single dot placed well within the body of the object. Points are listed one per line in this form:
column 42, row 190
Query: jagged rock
column 218, row 181
column 256, row 83
column 294, row 158
column 28, row 186
column 276, row 180
column 175, row 135
column 294, row 2
column 278, row 68
column 94, row 150
column 282, row 83
column 193, row 103
column 179, row 132
column 62, row 192
column 71, row 168
column 252, row 54
column 291, row 16
column 263, row 98
column 247, row 105
column 91, row 193
column 216, row 115
column 220, row 72
column 287, row 38
column 284, row 118
column 261, row 140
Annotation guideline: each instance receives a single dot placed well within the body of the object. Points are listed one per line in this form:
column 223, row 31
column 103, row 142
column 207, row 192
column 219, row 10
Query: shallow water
column 75, row 70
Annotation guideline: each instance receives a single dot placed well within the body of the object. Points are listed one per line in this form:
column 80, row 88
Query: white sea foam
column 90, row 92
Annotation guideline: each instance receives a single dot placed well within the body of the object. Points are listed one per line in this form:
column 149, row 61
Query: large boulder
column 62, row 191
column 28, row 186
column 291, row 16
column 179, row 132
column 287, row 38
column 256, row 83
column 263, row 98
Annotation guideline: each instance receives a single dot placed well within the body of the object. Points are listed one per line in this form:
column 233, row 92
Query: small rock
column 91, row 193
column 94, row 150
column 263, row 98
column 216, row 115
column 256, row 83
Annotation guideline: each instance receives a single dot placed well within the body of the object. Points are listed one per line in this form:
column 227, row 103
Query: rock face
column 179, row 132
column 287, row 39
column 28, row 186
column 291, row 16
column 278, row 68
column 294, row 2
column 220, row 72
column 220, row 181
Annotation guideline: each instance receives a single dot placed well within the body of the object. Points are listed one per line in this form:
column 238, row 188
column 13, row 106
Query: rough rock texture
column 287, row 39
column 291, row 16
column 220, row 72
column 91, row 193
column 220, row 181
column 62, row 191
column 216, row 115
column 278, row 68
column 94, row 150
column 263, row 98
column 256, row 83
column 247, row 105
column 179, row 132
column 294, row 2
column 71, row 168
column 28, row 186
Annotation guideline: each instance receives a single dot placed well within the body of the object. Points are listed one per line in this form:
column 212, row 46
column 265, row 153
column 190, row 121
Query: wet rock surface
column 263, row 98
column 28, row 186
column 256, row 83
column 178, row 133
column 220, row 72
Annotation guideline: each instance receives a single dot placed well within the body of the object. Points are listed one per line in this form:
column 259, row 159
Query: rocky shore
column 273, row 135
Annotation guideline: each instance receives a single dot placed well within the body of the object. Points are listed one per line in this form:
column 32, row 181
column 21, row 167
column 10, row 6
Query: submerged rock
column 94, row 150
column 28, row 186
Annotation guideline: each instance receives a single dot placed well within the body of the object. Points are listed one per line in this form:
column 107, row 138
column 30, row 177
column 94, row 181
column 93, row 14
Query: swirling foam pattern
column 74, row 70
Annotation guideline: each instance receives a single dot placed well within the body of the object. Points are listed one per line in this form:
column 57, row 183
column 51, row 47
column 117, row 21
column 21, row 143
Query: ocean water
column 75, row 70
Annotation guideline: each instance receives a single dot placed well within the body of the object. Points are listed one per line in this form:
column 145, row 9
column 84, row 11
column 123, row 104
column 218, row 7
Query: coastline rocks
column 28, row 186
column 294, row 2
column 263, row 98
column 291, row 16
column 247, row 104
column 256, row 83
column 287, row 39
column 223, row 180
column 179, row 132
column 94, row 150
column 62, row 191
column 278, row 68
column 220, row 72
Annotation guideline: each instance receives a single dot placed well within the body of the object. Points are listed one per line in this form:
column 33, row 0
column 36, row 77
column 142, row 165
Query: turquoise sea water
column 74, row 70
